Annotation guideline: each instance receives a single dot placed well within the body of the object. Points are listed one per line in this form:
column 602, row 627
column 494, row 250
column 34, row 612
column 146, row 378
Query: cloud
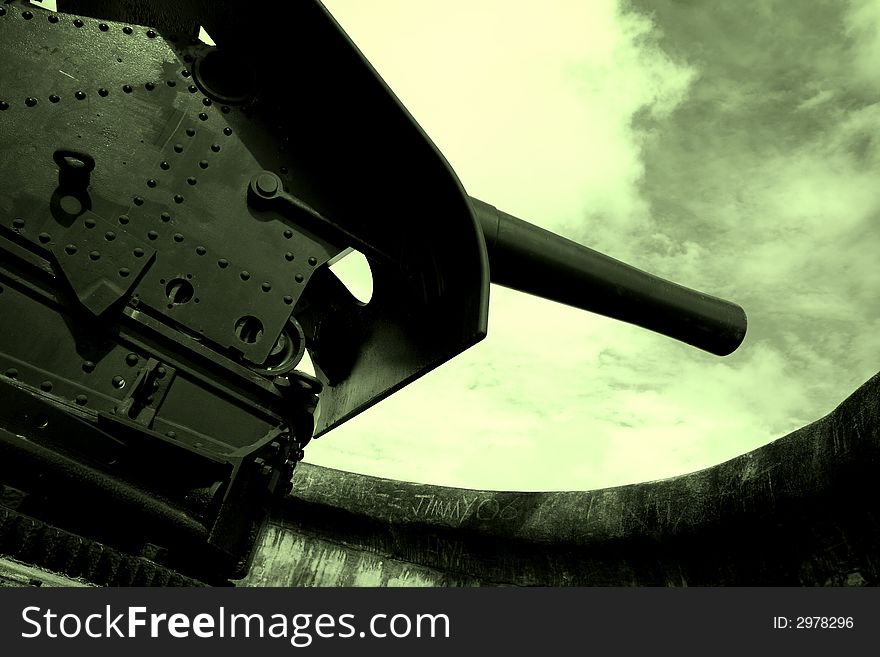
column 530, row 103
column 730, row 147
column 770, row 165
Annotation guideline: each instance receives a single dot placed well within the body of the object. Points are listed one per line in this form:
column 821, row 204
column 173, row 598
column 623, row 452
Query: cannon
column 168, row 218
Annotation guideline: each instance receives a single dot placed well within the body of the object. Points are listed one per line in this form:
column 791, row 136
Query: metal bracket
column 146, row 393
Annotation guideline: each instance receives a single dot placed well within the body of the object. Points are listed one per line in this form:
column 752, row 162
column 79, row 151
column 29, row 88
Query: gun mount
column 169, row 213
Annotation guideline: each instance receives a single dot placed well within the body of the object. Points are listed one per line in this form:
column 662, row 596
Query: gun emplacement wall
column 801, row 511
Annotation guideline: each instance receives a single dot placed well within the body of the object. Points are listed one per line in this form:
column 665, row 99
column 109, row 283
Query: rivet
column 123, row 219
column 288, row 234
column 187, row 58
column 80, row 95
column 200, row 250
column 53, row 18
column 178, row 237
column 190, row 132
column 109, row 236
column 151, row 182
column 178, row 198
column 245, row 275
column 192, row 88
column 185, row 73
column 223, row 263
column 151, row 34
column 95, row 255
column 103, row 27
column 266, row 287
column 203, row 164
column 89, row 222
column 299, row 278
column 227, row 131
column 54, row 98
column 82, row 400
column 206, row 102
column 138, row 200
column 102, row 92
column 11, row 373
column 171, row 434
column 70, row 249
column 288, row 299
column 118, row 382
column 3, row 11
column 283, row 170
column 132, row 359
column 46, row 386
column 191, row 180
column 3, row 105
column 178, row 148
column 161, row 372
column 152, row 234
column 30, row 101
column 288, row 256
column 203, row 116
column 171, row 83
column 138, row 252
column 127, row 88
column 127, row 29
column 313, row 261
column 165, row 217
column 78, row 22
column 88, row 366
column 27, row 15
column 165, row 166
column 149, row 86
column 124, row 272
column 44, row 237
column 18, row 222
column 215, row 148
column 224, row 109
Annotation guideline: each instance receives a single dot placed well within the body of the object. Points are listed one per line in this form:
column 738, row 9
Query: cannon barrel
column 525, row 257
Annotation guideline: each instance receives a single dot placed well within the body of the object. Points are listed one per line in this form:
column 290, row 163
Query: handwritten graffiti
column 462, row 507
column 402, row 502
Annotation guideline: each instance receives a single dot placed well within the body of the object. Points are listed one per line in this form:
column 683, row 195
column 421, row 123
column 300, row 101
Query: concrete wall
column 801, row 510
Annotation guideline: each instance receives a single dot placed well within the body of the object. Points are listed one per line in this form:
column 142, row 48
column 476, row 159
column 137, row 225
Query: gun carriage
column 168, row 215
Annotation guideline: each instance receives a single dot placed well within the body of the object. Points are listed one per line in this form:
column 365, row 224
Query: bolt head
column 267, row 184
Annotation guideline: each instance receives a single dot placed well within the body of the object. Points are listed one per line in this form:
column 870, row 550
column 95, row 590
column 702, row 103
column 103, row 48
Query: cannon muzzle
column 525, row 257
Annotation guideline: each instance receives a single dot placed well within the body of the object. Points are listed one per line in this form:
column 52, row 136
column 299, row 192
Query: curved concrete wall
column 801, row 510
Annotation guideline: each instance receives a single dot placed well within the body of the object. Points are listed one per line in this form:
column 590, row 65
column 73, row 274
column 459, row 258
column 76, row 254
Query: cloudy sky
column 731, row 147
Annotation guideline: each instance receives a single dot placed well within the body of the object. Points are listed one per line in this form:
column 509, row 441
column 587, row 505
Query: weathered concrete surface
column 801, row 510
column 15, row 574
column 289, row 558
